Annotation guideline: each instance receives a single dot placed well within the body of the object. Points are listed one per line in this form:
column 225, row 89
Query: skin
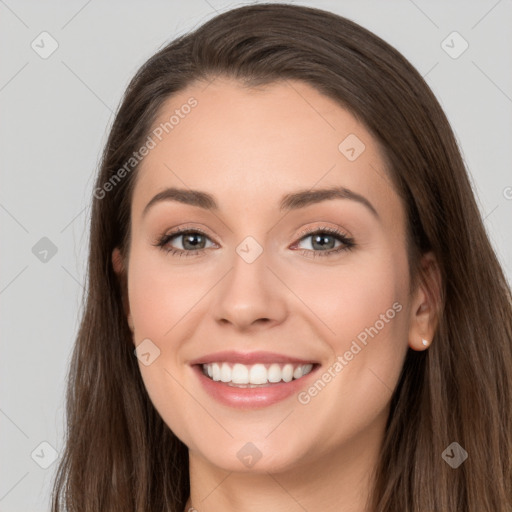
column 249, row 147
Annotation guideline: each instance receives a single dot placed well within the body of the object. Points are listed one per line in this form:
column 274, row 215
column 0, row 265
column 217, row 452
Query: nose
column 250, row 295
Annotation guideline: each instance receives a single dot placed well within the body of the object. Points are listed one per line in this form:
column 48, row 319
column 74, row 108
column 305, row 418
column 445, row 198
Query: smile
column 256, row 375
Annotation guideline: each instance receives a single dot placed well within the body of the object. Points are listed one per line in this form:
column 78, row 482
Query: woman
column 221, row 364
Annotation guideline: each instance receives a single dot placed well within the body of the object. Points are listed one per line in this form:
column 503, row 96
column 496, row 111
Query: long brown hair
column 119, row 454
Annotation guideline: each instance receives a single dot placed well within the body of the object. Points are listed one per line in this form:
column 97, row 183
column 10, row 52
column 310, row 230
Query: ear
column 120, row 270
column 426, row 304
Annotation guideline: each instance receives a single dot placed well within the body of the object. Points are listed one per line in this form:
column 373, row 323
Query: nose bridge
column 250, row 292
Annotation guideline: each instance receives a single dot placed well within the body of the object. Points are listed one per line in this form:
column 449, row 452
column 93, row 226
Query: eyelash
column 348, row 243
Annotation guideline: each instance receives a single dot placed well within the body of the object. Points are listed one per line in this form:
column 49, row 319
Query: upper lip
column 230, row 356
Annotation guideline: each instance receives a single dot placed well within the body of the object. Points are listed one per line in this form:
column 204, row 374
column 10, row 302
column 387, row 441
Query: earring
column 425, row 342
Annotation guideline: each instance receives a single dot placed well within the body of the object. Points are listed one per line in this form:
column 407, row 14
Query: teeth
column 287, row 372
column 239, row 374
column 225, row 373
column 274, row 373
column 256, row 374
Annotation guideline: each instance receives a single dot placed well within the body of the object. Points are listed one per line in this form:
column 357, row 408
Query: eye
column 193, row 242
column 325, row 238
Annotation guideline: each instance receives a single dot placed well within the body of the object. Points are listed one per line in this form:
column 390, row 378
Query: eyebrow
column 292, row 201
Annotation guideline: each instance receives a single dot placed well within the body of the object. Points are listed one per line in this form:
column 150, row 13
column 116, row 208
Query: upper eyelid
column 324, row 229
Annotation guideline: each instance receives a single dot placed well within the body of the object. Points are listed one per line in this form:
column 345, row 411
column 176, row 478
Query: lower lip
column 251, row 398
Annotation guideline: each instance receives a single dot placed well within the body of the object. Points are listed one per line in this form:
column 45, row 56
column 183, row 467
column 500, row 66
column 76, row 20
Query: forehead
column 249, row 146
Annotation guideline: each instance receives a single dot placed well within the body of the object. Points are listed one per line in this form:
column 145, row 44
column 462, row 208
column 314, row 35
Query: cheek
column 159, row 302
column 364, row 308
column 161, row 295
column 348, row 300
column 360, row 311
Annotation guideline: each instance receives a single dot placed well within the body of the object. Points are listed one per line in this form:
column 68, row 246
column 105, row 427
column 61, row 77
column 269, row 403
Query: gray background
column 55, row 116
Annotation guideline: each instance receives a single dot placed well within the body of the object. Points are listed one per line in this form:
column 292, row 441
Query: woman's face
column 253, row 291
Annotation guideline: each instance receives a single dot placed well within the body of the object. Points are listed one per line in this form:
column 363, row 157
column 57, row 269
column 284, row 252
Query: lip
column 252, row 398
column 231, row 356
